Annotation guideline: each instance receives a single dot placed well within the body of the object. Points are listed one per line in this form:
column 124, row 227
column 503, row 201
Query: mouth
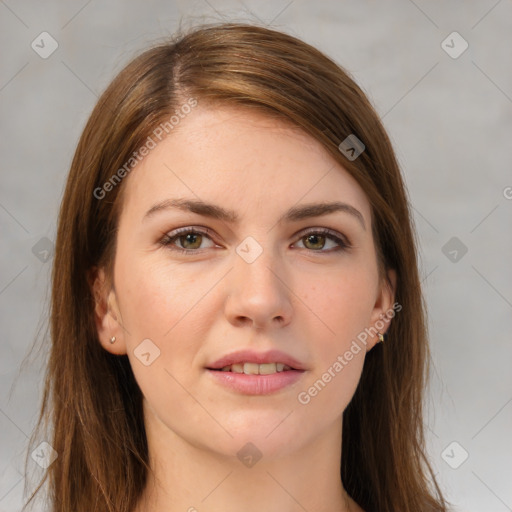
column 254, row 368
column 251, row 362
column 250, row 373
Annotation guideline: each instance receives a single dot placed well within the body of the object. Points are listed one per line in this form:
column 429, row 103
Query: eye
column 315, row 240
column 189, row 238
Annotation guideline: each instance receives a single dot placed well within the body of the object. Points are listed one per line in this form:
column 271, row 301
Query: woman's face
column 259, row 275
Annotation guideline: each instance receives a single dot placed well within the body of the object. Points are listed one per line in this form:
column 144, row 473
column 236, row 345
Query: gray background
column 450, row 120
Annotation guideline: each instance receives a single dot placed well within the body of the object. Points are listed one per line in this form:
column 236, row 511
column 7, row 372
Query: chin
column 273, row 433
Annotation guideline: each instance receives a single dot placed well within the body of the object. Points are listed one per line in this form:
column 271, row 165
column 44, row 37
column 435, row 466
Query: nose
column 258, row 294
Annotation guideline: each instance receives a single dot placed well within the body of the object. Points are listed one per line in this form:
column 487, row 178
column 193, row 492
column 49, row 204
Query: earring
column 381, row 336
column 113, row 339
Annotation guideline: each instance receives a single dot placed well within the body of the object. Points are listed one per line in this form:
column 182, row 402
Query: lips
column 242, row 357
column 248, row 372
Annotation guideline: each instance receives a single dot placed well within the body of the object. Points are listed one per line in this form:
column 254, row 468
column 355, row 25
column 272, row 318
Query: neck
column 188, row 477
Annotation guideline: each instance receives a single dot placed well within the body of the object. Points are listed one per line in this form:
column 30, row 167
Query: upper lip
column 250, row 356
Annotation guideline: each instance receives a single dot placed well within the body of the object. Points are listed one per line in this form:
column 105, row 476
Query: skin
column 301, row 296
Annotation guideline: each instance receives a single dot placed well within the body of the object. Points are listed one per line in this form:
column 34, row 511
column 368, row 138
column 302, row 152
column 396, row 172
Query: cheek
column 343, row 305
column 155, row 298
column 161, row 304
column 343, row 302
column 172, row 305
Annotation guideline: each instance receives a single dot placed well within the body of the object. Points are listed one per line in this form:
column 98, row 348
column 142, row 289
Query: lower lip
column 257, row 384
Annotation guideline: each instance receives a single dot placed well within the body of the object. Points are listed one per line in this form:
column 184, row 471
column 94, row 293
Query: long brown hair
column 90, row 396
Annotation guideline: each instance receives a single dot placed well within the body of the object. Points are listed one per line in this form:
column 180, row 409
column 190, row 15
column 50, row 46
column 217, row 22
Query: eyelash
column 168, row 239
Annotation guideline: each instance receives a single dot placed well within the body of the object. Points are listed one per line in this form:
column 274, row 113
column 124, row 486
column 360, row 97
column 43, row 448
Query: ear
column 383, row 310
column 106, row 313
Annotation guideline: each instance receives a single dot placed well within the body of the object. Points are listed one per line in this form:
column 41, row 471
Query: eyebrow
column 294, row 214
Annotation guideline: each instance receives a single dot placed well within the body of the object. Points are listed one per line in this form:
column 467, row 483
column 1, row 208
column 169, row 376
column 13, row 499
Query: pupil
column 190, row 239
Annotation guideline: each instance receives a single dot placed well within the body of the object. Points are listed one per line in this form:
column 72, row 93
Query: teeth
column 255, row 368
column 251, row 368
column 267, row 369
column 237, row 368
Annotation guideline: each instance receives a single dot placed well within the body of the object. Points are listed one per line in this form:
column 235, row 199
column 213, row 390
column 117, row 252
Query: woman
column 234, row 242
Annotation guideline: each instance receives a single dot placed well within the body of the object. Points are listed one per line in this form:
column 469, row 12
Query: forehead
column 243, row 158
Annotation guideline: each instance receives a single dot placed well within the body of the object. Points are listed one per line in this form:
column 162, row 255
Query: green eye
column 316, row 240
column 191, row 239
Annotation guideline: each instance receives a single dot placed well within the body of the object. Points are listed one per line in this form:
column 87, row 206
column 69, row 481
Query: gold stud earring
column 113, row 339
column 381, row 336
